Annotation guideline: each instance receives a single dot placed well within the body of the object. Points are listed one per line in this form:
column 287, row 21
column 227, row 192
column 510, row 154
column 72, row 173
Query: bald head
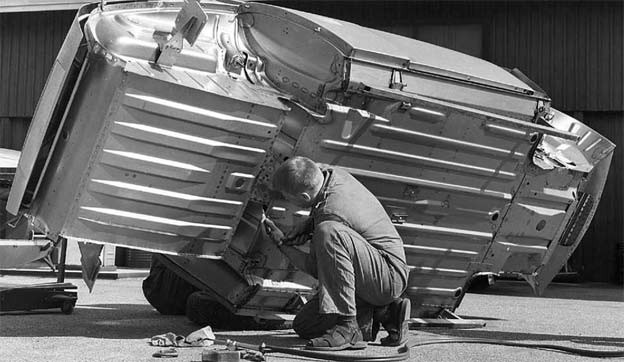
column 298, row 177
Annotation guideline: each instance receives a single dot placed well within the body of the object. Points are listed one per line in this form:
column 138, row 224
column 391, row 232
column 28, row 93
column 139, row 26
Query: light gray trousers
column 351, row 273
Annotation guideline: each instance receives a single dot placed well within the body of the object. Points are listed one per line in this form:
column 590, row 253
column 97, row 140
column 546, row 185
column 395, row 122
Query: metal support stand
column 446, row 319
column 61, row 268
column 14, row 297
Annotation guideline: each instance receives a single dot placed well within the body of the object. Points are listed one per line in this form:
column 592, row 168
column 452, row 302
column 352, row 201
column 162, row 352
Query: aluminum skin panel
column 316, row 54
column 154, row 181
column 449, row 182
column 158, row 159
column 46, row 112
column 357, row 37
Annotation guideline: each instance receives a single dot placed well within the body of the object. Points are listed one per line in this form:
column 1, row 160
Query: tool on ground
column 225, row 355
column 200, row 338
column 166, row 353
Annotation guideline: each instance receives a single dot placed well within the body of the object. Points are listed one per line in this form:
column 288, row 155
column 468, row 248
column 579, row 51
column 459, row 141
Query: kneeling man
column 355, row 253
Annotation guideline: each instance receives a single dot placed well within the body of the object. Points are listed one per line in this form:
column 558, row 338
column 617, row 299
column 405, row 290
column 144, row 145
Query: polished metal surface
column 479, row 173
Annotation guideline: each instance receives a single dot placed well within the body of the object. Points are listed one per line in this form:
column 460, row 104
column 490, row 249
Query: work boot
column 395, row 319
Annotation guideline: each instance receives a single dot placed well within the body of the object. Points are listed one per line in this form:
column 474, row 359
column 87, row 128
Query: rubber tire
column 67, row 307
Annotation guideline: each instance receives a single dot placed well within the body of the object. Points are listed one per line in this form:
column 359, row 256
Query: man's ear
column 305, row 196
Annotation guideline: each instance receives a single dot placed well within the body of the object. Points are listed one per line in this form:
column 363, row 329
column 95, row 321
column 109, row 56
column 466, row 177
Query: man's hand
column 274, row 232
column 298, row 235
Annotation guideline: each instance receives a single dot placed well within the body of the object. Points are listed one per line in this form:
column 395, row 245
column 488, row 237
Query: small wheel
column 67, row 307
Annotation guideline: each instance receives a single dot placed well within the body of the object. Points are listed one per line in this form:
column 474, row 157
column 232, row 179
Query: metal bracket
column 396, row 80
column 189, row 23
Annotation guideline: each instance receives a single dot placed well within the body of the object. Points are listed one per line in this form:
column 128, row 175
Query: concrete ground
column 114, row 323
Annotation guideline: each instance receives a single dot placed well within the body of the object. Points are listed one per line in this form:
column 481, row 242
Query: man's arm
column 300, row 259
column 300, row 232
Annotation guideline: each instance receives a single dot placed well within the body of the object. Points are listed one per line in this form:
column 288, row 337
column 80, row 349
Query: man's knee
column 331, row 237
column 327, row 233
column 309, row 323
column 327, row 229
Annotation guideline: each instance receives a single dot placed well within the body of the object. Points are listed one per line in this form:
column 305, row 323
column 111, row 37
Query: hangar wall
column 29, row 42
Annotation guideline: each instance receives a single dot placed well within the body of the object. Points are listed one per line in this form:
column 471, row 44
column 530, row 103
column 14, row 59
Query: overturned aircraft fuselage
column 143, row 140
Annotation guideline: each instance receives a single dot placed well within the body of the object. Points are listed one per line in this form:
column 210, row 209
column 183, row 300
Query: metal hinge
column 188, row 24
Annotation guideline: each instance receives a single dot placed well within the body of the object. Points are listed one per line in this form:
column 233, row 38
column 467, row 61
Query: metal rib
column 166, row 198
column 249, row 155
column 428, row 183
column 472, row 234
column 161, row 224
column 453, row 273
column 154, row 166
column 439, row 141
column 418, row 249
column 199, row 115
column 415, row 159
column 488, row 116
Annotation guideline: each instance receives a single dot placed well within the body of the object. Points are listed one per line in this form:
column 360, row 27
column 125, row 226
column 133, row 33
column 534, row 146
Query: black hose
column 401, row 355
column 558, row 348
column 403, row 351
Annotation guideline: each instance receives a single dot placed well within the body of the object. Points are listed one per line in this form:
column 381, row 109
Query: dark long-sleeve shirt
column 345, row 199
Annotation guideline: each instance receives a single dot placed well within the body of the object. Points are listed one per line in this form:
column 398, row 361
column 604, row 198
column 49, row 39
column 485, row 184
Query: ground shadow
column 522, row 337
column 587, row 291
column 113, row 321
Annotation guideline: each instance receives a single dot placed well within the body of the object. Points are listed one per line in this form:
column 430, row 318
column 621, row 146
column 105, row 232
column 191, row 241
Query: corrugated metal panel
column 13, row 6
column 29, row 43
column 572, row 50
column 607, row 228
column 13, row 132
column 138, row 258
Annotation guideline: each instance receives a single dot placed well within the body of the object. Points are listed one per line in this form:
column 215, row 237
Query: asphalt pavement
column 115, row 322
